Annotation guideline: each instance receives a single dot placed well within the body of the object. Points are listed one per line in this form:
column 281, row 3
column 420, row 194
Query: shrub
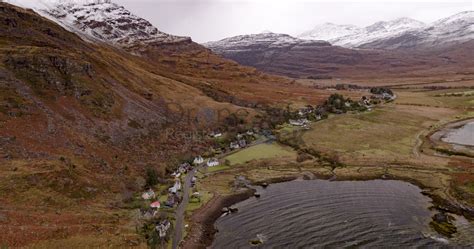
column 151, row 177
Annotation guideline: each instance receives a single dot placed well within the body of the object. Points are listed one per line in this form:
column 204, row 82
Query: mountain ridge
column 392, row 34
column 101, row 20
column 318, row 59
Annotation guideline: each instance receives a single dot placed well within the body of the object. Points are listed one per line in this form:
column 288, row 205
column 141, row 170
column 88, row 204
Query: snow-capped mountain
column 459, row 27
column 398, row 33
column 329, row 31
column 265, row 40
column 353, row 36
column 100, row 20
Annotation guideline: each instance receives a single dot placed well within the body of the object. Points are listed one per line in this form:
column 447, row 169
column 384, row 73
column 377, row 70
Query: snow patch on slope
column 100, row 20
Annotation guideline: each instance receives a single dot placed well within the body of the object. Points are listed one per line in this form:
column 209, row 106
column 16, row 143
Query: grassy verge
column 261, row 151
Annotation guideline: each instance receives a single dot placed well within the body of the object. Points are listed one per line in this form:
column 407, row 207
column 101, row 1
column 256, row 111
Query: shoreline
column 436, row 138
column 203, row 228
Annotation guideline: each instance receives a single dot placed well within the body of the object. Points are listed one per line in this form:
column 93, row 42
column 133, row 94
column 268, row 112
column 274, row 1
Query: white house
column 299, row 122
column 198, row 160
column 177, row 184
column 216, row 134
column 212, row 162
column 173, row 190
column 295, row 122
column 234, row 145
column 176, row 187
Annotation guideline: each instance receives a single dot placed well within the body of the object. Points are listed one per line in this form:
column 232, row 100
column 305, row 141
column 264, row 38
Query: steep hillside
column 82, row 119
column 179, row 58
column 79, row 125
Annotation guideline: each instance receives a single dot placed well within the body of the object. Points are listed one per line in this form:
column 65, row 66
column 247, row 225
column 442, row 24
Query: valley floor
column 390, row 142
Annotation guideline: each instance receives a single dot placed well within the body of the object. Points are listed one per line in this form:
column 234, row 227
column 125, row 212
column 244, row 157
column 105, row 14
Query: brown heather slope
column 80, row 122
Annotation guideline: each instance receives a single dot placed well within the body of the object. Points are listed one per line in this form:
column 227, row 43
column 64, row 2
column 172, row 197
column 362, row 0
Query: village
column 163, row 205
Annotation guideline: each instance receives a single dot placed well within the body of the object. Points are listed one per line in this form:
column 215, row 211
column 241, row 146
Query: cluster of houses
column 182, row 169
column 303, row 116
column 173, row 195
column 337, row 104
column 241, row 140
column 155, row 205
column 241, row 143
column 211, row 162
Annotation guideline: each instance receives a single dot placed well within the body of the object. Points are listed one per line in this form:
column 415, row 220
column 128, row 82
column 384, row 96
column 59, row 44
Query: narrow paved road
column 179, row 226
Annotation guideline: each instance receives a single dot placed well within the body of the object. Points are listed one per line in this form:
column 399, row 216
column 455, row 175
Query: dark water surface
column 332, row 214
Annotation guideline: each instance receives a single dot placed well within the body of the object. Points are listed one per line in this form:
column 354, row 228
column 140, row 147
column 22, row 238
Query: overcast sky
column 209, row 20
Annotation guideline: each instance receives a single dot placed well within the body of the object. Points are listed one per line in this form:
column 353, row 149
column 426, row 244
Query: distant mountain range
column 266, row 39
column 401, row 46
column 398, row 33
column 328, row 49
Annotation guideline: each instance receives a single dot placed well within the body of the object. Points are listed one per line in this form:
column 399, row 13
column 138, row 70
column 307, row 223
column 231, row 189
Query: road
column 419, row 142
column 179, row 225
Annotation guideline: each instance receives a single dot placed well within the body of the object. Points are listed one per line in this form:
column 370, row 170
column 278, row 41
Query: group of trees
column 336, row 103
column 381, row 90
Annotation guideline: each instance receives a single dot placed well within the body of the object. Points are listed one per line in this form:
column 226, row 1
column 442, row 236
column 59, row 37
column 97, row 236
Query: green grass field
column 194, row 204
column 261, row 151
column 217, row 168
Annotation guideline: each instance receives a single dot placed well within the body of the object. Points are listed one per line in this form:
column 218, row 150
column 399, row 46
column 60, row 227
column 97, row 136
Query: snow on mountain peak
column 261, row 40
column 465, row 16
column 329, row 31
column 100, row 20
column 396, row 25
column 48, row 4
column 400, row 32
